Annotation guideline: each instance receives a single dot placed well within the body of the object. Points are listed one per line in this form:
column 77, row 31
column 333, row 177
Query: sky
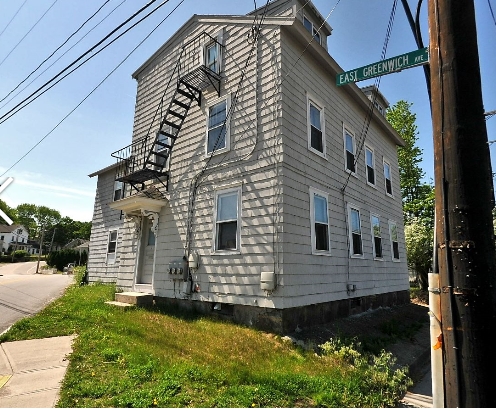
column 55, row 172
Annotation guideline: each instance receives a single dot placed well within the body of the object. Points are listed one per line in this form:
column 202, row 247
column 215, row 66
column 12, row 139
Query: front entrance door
column 147, row 253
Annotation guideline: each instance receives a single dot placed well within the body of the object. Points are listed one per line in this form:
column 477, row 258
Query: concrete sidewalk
column 31, row 372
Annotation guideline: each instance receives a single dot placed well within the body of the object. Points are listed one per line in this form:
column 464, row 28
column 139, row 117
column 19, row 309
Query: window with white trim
column 316, row 127
column 349, row 148
column 312, row 29
column 227, row 220
column 387, row 178
column 217, row 127
column 375, row 224
column 162, row 148
column 355, row 227
column 393, row 235
column 112, row 246
column 370, row 165
column 212, row 53
column 118, row 190
column 319, row 219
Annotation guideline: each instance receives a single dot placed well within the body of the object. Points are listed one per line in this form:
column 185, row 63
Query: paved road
column 23, row 292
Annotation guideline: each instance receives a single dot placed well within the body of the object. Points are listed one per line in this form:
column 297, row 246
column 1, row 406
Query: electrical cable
column 63, row 54
column 13, row 17
column 92, row 91
column 29, row 31
column 491, row 9
column 25, row 102
column 57, row 49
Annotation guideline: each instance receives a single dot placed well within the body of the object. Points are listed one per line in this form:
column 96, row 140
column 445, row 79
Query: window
column 118, row 190
column 212, row 53
column 393, row 234
column 387, row 178
column 151, row 237
column 316, row 121
column 375, row 223
column 370, row 165
column 355, row 232
column 319, row 218
column 311, row 29
column 112, row 246
column 217, row 135
column 227, row 224
column 162, row 148
column 349, row 146
column 1, row 238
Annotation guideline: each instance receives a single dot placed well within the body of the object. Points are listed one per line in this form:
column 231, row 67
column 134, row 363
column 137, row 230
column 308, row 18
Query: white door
column 146, row 261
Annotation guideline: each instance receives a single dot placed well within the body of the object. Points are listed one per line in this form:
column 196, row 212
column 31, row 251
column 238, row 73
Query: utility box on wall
column 178, row 269
column 268, row 280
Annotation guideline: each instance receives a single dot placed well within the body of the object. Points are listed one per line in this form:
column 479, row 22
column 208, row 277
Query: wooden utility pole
column 464, row 200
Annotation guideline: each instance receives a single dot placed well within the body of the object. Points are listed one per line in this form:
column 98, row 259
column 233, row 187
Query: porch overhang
column 136, row 205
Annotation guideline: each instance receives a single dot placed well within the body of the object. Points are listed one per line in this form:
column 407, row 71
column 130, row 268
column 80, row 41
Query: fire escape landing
column 148, row 159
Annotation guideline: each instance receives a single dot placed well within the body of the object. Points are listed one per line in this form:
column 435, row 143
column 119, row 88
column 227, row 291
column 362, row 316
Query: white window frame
column 314, row 192
column 372, row 151
column 391, row 224
column 219, row 37
column 159, row 149
column 218, row 193
column 384, row 163
column 350, row 231
column 347, row 130
column 314, row 32
column 319, row 106
column 227, row 146
column 118, row 185
column 112, row 256
column 374, row 251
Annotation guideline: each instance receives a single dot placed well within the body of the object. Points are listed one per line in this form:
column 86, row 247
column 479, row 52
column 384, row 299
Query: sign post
column 388, row 66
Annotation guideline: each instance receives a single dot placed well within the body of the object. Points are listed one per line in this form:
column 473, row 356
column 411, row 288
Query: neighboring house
column 15, row 236
column 249, row 187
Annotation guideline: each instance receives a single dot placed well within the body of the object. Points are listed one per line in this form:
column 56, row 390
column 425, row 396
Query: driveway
column 24, row 293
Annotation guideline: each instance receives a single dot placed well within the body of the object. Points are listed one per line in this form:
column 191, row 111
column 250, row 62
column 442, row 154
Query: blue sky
column 55, row 173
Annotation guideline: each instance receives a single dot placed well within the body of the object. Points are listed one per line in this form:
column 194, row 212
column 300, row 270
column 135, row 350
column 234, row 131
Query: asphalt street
column 23, row 292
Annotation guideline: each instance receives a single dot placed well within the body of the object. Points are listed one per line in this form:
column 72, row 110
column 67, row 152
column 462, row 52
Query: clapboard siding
column 269, row 161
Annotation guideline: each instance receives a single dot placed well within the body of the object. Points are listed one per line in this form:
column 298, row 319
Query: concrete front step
column 122, row 306
column 134, row 298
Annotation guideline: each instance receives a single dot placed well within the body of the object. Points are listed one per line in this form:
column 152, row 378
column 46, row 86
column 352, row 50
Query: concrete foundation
column 287, row 320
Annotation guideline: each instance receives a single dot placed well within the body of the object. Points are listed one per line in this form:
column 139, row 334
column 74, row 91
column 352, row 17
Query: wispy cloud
column 55, row 189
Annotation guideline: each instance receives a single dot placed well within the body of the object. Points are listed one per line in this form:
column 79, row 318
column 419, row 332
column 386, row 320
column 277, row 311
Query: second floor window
column 118, row 190
column 312, row 29
column 387, row 178
column 370, row 165
column 212, row 57
column 349, row 145
column 316, row 134
column 217, row 127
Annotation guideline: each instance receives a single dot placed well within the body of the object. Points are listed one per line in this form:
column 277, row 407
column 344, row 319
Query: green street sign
column 391, row 65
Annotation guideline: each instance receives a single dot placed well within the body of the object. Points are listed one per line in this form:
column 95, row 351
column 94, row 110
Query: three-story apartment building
column 253, row 186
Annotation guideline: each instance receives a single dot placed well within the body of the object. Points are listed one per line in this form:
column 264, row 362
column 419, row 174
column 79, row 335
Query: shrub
column 61, row 258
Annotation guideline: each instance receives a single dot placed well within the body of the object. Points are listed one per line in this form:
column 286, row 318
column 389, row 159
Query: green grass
column 156, row 358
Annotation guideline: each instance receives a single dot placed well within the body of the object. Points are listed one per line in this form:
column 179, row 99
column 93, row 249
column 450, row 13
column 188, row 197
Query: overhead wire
column 63, row 54
column 491, row 9
column 13, row 17
column 57, row 49
column 29, row 31
column 33, row 96
column 93, row 90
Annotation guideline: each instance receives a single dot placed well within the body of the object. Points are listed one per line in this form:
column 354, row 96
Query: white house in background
column 14, row 235
column 249, row 188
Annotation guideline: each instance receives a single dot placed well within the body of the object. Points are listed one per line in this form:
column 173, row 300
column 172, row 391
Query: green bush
column 61, row 258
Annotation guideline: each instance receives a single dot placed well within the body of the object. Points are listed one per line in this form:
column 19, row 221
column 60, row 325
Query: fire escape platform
column 140, row 176
column 202, row 77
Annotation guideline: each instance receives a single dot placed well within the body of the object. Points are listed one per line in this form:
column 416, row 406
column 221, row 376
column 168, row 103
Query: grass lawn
column 157, row 358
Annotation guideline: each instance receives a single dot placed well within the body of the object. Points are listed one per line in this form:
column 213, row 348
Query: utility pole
column 41, row 249
column 464, row 200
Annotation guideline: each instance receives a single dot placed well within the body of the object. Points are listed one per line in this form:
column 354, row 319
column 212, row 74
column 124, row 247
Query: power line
column 57, row 49
column 93, row 90
column 63, row 54
column 33, row 96
column 29, row 31
column 492, row 13
column 13, row 17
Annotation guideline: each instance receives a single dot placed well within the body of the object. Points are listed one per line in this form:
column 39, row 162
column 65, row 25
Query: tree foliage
column 35, row 218
column 419, row 239
column 68, row 229
column 11, row 212
column 417, row 196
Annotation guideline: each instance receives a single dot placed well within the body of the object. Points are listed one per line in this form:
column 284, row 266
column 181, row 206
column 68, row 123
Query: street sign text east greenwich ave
column 391, row 65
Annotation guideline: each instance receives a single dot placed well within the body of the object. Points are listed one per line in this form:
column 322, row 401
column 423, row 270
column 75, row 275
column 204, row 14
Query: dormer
column 380, row 103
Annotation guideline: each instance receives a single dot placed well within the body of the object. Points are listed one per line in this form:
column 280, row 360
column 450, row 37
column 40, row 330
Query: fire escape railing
column 198, row 68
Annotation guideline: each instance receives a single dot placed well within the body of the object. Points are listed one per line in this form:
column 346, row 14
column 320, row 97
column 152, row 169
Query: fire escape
column 146, row 161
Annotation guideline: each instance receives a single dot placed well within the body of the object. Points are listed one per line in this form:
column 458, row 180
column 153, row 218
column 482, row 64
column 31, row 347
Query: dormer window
column 312, row 29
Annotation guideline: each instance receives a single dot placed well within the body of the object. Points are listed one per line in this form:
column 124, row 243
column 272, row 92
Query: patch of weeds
column 112, row 354
column 142, row 372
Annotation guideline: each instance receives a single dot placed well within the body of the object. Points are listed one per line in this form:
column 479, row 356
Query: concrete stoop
column 134, row 299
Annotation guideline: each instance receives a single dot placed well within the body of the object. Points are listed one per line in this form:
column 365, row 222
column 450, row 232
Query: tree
column 10, row 212
column 67, row 230
column 419, row 239
column 35, row 218
column 417, row 196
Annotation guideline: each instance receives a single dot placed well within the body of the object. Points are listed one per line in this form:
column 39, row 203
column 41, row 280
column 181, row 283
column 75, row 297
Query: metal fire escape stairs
column 145, row 160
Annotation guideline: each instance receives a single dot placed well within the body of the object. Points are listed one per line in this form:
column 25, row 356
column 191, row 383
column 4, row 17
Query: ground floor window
column 355, row 228
column 319, row 217
column 227, row 219
column 112, row 246
column 393, row 233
